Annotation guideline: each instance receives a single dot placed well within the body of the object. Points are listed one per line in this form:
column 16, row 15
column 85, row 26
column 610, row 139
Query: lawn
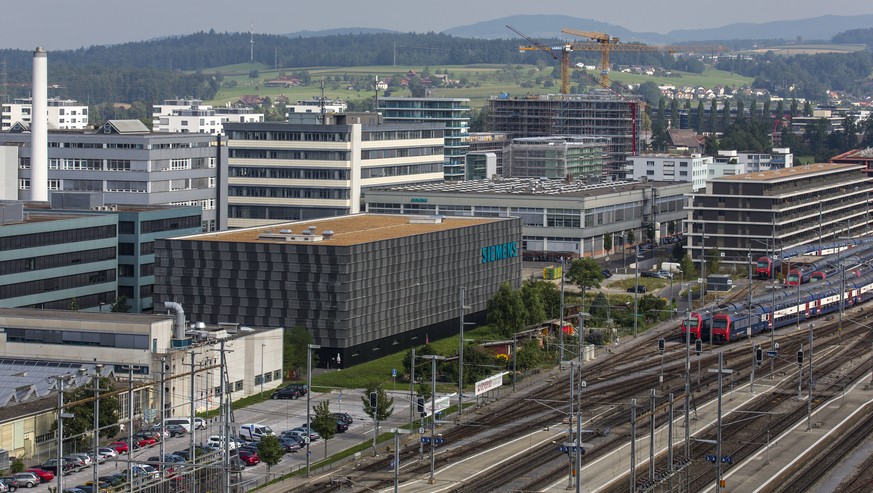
column 380, row 370
column 485, row 81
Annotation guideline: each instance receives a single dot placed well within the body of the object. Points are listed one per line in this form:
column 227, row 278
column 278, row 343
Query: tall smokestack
column 39, row 128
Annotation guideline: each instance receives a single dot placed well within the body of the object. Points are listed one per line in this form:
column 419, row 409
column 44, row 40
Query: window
column 277, row 375
column 238, row 385
column 650, row 172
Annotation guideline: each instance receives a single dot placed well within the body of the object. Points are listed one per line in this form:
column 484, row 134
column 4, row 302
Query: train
column 734, row 321
column 830, row 265
column 767, row 267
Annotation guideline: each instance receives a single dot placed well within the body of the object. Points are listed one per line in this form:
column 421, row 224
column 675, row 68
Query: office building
column 454, row 113
column 283, row 172
column 691, row 168
column 493, row 142
column 63, row 114
column 555, row 157
column 558, row 218
column 129, row 165
column 364, row 285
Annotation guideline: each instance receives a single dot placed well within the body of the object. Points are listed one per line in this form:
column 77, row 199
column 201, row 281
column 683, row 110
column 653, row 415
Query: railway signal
column 662, row 345
column 759, row 355
column 800, row 358
column 373, row 401
column 698, row 346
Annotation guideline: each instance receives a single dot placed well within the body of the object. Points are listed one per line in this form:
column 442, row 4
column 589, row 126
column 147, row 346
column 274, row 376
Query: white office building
column 191, row 116
column 63, row 114
column 753, row 161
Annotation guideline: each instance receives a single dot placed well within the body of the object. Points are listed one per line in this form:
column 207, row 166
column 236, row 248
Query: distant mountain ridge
column 549, row 27
column 339, row 30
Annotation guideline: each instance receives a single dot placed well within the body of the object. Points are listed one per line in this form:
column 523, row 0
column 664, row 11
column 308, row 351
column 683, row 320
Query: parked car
column 77, row 462
column 648, row 274
column 108, row 452
column 664, row 274
column 343, row 416
column 638, row 289
column 27, row 479
column 10, row 482
column 249, row 457
column 144, row 440
column 606, row 273
column 52, row 465
column 43, row 475
column 157, row 436
column 86, row 458
column 120, row 447
column 286, row 393
column 300, row 436
column 299, row 387
column 313, row 435
column 200, row 424
column 176, row 430
column 341, row 426
column 113, row 480
column 159, row 433
column 289, row 444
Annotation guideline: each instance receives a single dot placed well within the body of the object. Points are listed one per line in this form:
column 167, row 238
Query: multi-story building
column 50, row 260
column 480, row 165
column 135, row 348
column 559, row 218
column 761, row 212
column 599, row 113
column 493, row 142
column 192, row 116
column 454, row 113
column 555, row 157
column 692, row 168
column 283, row 171
column 751, row 161
column 316, row 105
column 138, row 228
column 129, row 165
column 857, row 156
column 63, row 114
column 363, row 285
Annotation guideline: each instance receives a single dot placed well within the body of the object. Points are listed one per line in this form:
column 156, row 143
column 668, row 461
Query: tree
column 296, row 343
column 607, row 242
column 533, row 302
column 867, row 130
column 528, row 356
column 585, row 273
column 422, row 366
column 650, row 92
column 807, row 108
column 120, row 305
column 713, row 260
column 678, row 251
column 713, row 115
column 323, row 423
column 741, row 109
column 384, row 404
column 599, row 307
column 725, row 114
column 674, row 113
column 74, row 305
column 631, row 237
column 550, row 296
column 270, row 450
column 17, row 465
column 698, row 119
column 506, row 311
column 254, row 74
column 687, row 266
column 81, row 425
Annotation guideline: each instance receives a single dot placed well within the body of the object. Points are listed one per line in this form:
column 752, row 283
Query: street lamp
column 310, row 347
column 97, row 369
column 262, row 370
column 433, row 359
column 397, row 432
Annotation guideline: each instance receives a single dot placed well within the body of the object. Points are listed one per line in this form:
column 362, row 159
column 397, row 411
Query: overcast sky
column 66, row 24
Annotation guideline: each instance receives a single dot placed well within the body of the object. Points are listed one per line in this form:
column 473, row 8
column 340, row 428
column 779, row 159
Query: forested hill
column 210, row 49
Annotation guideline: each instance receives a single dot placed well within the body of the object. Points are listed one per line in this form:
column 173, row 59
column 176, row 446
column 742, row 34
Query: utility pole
column 162, row 405
column 97, row 369
column 309, row 349
column 191, row 440
column 636, row 285
column 652, row 436
column 809, row 384
column 633, row 448
column 225, row 427
column 561, row 318
column 570, row 420
column 411, row 386
column 461, row 352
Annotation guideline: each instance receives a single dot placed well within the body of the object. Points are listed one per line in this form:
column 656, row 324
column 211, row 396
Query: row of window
column 290, row 173
column 402, row 170
column 77, row 338
column 60, row 260
column 290, row 136
column 36, row 240
column 290, row 192
column 205, row 204
column 284, row 213
column 402, row 135
column 56, row 283
column 402, row 152
column 289, row 154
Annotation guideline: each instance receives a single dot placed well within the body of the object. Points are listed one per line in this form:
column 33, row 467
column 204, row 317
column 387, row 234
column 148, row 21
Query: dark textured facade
column 376, row 285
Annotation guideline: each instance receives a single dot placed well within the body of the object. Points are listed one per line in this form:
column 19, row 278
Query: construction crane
column 605, row 44
column 553, row 51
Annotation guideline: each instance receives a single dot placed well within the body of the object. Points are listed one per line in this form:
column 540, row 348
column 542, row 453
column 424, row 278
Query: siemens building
column 364, row 285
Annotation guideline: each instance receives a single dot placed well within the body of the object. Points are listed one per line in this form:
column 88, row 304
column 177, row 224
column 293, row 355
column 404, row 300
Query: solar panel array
column 22, row 380
column 515, row 186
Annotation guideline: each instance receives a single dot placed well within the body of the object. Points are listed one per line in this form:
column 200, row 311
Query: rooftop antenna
column 322, row 100
column 252, row 42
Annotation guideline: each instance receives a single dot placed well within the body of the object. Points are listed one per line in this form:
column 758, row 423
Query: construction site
column 598, row 113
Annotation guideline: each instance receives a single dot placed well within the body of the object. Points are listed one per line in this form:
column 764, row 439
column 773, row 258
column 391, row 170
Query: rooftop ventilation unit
column 283, row 236
column 427, row 220
column 327, row 234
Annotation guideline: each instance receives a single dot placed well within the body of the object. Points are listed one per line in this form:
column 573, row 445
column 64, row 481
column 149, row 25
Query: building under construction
column 599, row 113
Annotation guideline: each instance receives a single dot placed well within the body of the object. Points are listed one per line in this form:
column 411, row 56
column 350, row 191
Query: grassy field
column 380, row 370
column 486, row 80
column 810, row 49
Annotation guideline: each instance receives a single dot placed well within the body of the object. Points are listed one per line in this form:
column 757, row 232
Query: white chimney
column 39, row 128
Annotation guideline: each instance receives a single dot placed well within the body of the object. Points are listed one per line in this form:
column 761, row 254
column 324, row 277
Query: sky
column 70, row 24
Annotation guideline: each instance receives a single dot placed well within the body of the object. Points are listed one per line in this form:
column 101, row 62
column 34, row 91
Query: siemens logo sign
column 499, row 252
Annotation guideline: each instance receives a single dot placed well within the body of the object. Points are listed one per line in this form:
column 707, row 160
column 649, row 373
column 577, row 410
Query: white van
column 183, row 422
column 217, row 441
column 253, row 432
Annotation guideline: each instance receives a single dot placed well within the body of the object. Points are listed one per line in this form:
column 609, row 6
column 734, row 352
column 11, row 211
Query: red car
column 120, row 447
column 250, row 458
column 144, row 441
column 44, row 476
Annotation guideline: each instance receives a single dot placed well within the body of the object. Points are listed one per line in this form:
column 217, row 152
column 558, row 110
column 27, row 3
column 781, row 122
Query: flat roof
column 529, row 186
column 83, row 316
column 777, row 175
column 348, row 230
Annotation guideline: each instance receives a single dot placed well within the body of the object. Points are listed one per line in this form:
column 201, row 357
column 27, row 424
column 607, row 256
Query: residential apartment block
column 195, row 117
column 64, row 114
column 691, row 168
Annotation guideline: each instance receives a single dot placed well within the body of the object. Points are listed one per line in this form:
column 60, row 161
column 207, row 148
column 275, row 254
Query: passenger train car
column 767, row 267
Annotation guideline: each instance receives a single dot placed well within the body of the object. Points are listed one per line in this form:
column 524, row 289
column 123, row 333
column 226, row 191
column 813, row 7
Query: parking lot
column 279, row 415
